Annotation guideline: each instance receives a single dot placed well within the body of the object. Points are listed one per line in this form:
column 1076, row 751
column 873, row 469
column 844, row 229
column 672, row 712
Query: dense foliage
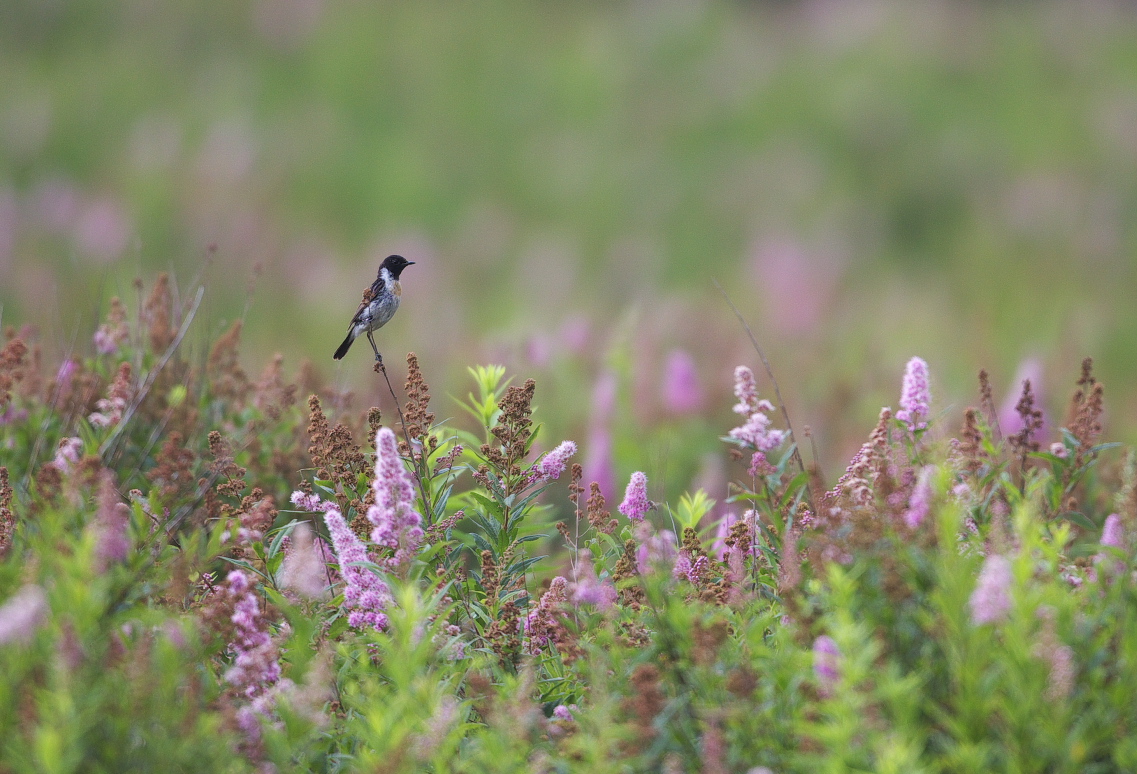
column 198, row 572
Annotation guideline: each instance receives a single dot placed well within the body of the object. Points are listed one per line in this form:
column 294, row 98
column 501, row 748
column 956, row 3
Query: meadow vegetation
column 201, row 570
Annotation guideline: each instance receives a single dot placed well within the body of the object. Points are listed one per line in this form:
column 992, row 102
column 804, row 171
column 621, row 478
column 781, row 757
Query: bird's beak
column 410, row 263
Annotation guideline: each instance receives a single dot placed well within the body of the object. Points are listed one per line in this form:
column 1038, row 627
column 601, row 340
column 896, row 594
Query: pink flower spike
column 365, row 594
column 552, row 465
column 307, row 502
column 397, row 524
column 636, row 505
column 915, row 397
column 746, row 390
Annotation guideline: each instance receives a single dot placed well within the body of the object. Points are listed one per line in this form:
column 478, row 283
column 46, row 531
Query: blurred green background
column 868, row 180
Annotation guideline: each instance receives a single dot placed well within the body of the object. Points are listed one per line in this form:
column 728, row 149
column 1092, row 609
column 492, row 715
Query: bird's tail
column 345, row 346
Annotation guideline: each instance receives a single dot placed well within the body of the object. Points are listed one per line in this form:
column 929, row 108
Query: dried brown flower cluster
column 226, row 377
column 337, row 458
column 173, row 476
column 13, row 367
column 7, row 517
column 272, row 395
column 1025, row 441
column 513, row 430
column 417, row 408
column 157, row 315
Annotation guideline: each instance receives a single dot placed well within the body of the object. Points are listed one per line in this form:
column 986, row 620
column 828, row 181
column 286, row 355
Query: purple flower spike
column 552, row 465
column 636, row 505
column 915, row 398
column 991, row 600
column 364, row 594
column 397, row 524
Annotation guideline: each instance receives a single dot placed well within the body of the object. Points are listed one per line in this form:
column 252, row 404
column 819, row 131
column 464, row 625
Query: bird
column 380, row 302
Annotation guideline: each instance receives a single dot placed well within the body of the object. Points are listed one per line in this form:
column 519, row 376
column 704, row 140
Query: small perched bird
column 380, row 302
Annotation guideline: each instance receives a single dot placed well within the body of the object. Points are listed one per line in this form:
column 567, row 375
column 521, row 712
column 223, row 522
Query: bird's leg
column 375, row 349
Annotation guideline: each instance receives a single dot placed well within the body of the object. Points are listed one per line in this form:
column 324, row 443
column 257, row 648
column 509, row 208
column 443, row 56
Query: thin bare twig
column 426, row 506
column 777, row 391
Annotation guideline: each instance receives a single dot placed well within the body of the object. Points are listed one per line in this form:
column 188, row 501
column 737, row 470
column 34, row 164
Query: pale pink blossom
column 915, row 396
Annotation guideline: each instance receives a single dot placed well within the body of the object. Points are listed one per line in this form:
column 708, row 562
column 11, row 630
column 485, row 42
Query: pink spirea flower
column 552, row 465
column 256, row 666
column 682, row 392
column 682, row 567
column 920, row 503
column 1113, row 532
column 826, row 662
column 746, row 390
column 1059, row 450
column 307, row 502
column 991, row 600
column 562, row 712
column 397, row 524
column 636, row 504
column 915, row 396
column 22, row 614
column 755, row 431
column 365, row 595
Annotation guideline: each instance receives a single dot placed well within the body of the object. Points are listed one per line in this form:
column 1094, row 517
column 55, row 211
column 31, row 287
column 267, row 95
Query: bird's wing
column 369, row 295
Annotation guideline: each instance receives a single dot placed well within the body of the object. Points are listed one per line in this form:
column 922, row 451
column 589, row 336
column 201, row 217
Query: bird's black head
column 395, row 264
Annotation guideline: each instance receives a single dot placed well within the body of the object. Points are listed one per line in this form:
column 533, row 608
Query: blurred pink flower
column 991, row 600
column 574, row 334
column 797, row 282
column 22, row 614
column 604, row 396
column 303, row 568
column 920, row 502
column 826, row 663
column 1010, row 422
column 102, row 230
column 656, row 549
column 589, row 589
column 682, row 392
column 598, row 461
